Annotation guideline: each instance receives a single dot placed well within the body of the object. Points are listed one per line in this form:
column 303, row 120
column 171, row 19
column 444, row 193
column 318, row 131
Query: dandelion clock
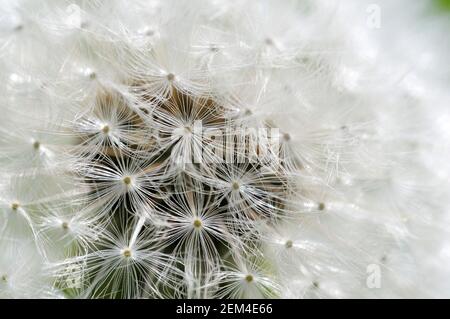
column 224, row 149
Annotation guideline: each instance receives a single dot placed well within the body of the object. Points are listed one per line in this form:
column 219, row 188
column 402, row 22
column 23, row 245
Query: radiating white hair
column 319, row 169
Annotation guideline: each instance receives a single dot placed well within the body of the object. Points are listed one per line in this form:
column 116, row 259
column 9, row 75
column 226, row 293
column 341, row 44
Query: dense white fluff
column 224, row 149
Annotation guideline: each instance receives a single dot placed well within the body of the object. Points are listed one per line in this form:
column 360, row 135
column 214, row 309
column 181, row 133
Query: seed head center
column 214, row 48
column 127, row 180
column 15, row 206
column 249, row 278
column 187, row 129
column 126, row 253
column 289, row 244
column 269, row 41
column 18, row 28
column 197, row 223
column 170, row 77
column 106, row 129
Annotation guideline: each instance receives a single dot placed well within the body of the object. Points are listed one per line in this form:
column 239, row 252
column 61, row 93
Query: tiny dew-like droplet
column 65, row 225
column 289, row 244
